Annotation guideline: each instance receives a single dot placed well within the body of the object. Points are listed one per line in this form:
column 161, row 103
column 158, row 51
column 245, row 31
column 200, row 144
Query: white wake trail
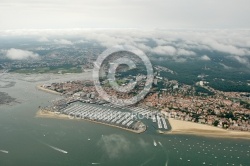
column 58, row 149
column 4, row 151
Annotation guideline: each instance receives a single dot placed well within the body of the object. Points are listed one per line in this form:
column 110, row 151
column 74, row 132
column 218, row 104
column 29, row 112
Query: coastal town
column 227, row 110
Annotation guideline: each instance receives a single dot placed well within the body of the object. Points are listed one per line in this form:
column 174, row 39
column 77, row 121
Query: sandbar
column 40, row 87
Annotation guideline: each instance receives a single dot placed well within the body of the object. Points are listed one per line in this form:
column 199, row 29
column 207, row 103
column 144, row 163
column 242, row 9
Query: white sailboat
column 4, row 151
column 155, row 144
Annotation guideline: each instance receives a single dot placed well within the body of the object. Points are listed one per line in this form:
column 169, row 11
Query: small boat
column 88, row 139
column 155, row 144
column 4, row 151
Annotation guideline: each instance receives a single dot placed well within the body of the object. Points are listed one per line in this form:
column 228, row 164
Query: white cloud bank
column 165, row 50
column 168, row 43
column 43, row 39
column 171, row 51
column 18, row 54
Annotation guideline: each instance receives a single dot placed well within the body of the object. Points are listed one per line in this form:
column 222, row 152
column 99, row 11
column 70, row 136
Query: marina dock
column 104, row 115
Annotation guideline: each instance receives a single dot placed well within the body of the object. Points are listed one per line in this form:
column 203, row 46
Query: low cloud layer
column 63, row 42
column 43, row 39
column 18, row 54
column 175, row 44
column 242, row 60
column 172, row 51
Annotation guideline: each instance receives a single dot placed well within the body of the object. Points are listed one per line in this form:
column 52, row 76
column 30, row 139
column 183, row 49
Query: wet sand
column 48, row 114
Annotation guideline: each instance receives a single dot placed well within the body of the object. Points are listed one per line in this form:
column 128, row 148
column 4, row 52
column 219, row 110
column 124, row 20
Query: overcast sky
column 169, row 14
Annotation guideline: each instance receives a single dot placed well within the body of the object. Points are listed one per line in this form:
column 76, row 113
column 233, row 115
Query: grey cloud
column 63, row 42
column 43, row 39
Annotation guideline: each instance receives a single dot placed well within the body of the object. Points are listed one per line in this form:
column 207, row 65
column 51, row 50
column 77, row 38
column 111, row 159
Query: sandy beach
column 40, row 87
column 184, row 127
column 48, row 114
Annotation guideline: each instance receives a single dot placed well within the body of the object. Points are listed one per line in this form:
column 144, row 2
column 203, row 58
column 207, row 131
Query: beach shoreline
column 177, row 126
column 40, row 87
column 190, row 128
column 54, row 115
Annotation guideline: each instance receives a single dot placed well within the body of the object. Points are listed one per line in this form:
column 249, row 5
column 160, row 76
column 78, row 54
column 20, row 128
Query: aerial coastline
column 125, row 83
column 177, row 126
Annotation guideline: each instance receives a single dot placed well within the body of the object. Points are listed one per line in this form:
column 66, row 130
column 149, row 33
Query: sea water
column 44, row 141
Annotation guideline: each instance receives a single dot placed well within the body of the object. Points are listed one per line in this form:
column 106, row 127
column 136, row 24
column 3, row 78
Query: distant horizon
column 191, row 14
column 125, row 28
